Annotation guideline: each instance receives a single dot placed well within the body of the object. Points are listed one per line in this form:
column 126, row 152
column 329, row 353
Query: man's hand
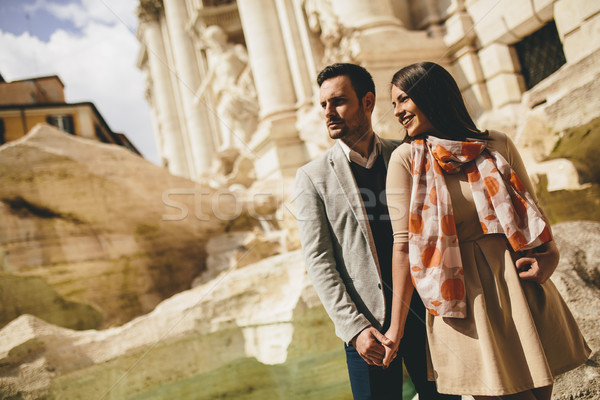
column 370, row 344
column 538, row 264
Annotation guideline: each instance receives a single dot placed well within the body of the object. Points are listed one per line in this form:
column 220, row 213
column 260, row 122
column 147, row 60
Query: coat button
column 379, row 285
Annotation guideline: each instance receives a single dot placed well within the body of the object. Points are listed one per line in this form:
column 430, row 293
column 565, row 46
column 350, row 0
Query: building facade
column 231, row 81
column 25, row 103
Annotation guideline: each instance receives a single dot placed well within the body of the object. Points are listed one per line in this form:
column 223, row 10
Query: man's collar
column 354, row 156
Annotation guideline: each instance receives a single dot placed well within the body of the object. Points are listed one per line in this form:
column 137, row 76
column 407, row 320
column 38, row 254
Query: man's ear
column 369, row 101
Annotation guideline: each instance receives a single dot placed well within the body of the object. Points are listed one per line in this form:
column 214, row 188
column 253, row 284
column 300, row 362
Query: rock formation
column 253, row 332
column 104, row 230
column 578, row 280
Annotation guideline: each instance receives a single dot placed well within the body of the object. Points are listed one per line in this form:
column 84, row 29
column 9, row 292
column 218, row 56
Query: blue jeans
column 374, row 383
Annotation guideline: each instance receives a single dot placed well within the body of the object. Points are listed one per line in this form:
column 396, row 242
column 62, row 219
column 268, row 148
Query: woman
column 469, row 235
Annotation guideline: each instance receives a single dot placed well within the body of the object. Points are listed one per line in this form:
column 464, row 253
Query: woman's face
column 409, row 115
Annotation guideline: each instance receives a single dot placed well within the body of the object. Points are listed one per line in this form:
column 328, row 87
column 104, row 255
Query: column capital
column 149, row 10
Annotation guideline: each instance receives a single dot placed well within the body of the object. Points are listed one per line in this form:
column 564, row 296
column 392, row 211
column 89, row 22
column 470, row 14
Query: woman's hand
column 403, row 290
column 538, row 264
column 391, row 350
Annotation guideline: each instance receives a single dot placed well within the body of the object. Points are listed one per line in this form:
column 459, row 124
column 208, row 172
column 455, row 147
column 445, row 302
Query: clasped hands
column 375, row 347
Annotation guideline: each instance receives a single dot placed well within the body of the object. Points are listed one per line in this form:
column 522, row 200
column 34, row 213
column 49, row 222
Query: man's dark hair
column 437, row 95
column 361, row 79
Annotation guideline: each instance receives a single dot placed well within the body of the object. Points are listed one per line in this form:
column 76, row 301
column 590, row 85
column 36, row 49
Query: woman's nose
column 398, row 111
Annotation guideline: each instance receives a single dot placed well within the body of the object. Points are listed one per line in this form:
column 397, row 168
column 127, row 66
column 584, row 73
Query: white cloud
column 97, row 65
column 83, row 12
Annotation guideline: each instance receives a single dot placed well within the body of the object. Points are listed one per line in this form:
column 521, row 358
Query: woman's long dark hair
column 437, row 95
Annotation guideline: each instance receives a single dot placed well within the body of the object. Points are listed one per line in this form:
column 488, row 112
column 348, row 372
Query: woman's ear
column 369, row 101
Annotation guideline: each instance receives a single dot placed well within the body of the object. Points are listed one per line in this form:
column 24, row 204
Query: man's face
column 346, row 117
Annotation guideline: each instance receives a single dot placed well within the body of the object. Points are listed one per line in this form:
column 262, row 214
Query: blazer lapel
column 341, row 168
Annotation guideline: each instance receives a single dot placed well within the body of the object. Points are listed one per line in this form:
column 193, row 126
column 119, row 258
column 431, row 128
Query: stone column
column 156, row 128
column 434, row 19
column 188, row 77
column 267, row 54
column 293, row 44
column 164, row 101
column 276, row 145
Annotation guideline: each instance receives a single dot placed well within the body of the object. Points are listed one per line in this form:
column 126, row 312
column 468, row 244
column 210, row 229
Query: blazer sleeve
column 320, row 261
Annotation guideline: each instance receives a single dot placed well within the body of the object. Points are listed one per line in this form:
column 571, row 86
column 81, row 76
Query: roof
column 37, row 78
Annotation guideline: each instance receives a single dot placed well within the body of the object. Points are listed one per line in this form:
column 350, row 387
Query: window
column 540, row 54
column 62, row 122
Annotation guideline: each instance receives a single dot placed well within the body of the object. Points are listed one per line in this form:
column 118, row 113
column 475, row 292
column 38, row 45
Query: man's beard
column 346, row 131
column 353, row 135
column 338, row 133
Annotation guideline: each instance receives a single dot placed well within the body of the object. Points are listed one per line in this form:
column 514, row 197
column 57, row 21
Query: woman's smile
column 409, row 114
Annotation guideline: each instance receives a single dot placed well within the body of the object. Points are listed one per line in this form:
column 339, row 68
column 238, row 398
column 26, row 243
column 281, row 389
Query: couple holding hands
column 432, row 249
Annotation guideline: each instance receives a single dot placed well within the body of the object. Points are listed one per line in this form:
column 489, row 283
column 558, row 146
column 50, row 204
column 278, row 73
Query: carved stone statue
column 230, row 81
column 338, row 41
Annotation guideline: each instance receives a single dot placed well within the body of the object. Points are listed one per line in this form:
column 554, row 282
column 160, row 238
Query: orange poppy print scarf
column 503, row 206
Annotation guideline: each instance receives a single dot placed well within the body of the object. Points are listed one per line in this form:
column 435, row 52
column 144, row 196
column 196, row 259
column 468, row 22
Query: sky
column 92, row 47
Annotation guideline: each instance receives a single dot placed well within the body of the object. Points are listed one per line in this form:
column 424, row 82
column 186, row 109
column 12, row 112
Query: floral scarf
column 503, row 206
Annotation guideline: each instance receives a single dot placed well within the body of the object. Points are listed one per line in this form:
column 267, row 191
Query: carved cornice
column 149, row 10
column 216, row 3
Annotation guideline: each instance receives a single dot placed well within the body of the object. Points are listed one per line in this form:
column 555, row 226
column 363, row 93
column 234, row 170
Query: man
column 347, row 240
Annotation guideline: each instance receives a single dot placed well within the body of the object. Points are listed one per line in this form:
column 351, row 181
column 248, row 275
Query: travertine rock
column 32, row 295
column 238, row 249
column 255, row 332
column 102, row 226
column 578, row 280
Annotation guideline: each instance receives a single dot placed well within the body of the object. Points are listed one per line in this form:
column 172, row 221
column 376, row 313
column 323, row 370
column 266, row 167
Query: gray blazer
column 337, row 243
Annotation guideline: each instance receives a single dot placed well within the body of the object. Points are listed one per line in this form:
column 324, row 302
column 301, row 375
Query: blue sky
column 20, row 16
column 91, row 46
